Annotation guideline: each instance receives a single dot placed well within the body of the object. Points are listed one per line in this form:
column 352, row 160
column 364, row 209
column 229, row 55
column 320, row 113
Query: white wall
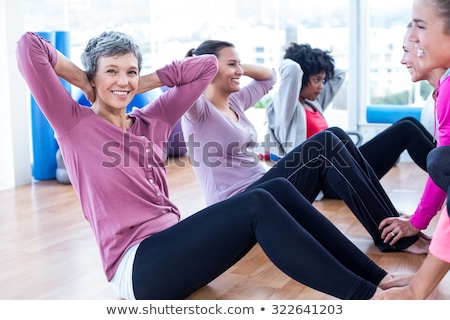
column 15, row 162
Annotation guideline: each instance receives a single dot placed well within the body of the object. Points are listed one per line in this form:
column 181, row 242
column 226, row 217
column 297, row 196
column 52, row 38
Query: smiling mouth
column 120, row 93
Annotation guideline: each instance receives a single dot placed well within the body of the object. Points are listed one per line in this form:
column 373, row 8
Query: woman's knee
column 333, row 135
column 278, row 182
column 437, row 166
column 338, row 132
column 315, row 142
column 259, row 197
column 409, row 119
column 409, row 126
column 436, row 159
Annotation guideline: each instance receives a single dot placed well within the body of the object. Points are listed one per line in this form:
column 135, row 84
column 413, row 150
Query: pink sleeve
column 443, row 112
column 36, row 58
column 433, row 197
column 187, row 79
column 440, row 244
column 431, row 202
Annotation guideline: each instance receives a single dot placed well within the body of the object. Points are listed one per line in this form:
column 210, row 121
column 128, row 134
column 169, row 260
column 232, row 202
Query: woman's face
column 411, row 61
column 229, row 74
column 432, row 43
column 314, row 87
column 116, row 81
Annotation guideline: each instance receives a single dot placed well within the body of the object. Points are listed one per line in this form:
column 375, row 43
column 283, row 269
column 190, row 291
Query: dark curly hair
column 312, row 61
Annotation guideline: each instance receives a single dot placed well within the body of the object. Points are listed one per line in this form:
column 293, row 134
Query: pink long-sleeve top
column 222, row 150
column 433, row 197
column 118, row 176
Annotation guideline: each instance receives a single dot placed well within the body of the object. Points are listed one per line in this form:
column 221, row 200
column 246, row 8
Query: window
column 390, row 82
column 259, row 29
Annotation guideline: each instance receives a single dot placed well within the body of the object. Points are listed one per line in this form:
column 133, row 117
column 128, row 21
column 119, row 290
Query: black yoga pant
column 438, row 166
column 330, row 161
column 300, row 241
column 383, row 151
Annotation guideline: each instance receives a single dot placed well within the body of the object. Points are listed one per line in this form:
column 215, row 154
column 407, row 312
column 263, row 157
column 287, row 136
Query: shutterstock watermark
column 212, row 154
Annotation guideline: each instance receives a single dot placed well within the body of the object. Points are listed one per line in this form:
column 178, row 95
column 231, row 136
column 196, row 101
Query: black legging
column 438, row 166
column 383, row 151
column 331, row 162
column 298, row 239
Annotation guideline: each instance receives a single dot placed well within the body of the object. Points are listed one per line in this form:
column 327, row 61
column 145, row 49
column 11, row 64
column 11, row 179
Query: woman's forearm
column 257, row 72
column 70, row 72
column 149, row 82
column 67, row 70
column 428, row 276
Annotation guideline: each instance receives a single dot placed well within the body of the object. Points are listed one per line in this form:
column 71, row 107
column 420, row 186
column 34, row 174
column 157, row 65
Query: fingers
column 397, row 229
column 386, row 227
column 385, row 223
column 389, row 231
column 391, row 236
column 395, row 236
column 394, row 228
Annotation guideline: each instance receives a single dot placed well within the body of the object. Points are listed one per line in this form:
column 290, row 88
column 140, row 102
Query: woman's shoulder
column 199, row 110
column 290, row 65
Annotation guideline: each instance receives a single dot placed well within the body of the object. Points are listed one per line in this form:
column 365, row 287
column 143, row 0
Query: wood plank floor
column 48, row 250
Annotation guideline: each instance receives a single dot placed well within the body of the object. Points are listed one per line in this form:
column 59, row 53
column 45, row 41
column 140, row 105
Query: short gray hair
column 108, row 44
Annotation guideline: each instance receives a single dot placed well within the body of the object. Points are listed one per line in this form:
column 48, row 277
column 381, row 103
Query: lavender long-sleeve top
column 118, row 176
column 221, row 150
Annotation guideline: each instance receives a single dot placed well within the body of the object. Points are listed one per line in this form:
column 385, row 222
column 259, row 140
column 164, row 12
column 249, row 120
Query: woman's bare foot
column 419, row 247
column 395, row 280
column 388, row 278
column 377, row 295
column 403, row 293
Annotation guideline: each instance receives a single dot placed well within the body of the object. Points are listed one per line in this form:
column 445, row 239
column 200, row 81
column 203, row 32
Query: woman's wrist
column 149, row 82
column 257, row 72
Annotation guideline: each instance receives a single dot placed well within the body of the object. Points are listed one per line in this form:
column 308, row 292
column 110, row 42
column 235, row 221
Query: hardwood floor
column 48, row 250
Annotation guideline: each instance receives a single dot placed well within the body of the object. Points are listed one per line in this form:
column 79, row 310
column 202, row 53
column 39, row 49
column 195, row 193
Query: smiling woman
column 137, row 226
column 145, row 19
column 431, row 34
column 114, row 75
column 432, row 39
column 221, row 141
column 261, row 34
column 112, row 61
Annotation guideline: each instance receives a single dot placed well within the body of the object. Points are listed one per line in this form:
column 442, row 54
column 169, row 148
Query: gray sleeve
column 331, row 88
column 286, row 99
column 285, row 115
